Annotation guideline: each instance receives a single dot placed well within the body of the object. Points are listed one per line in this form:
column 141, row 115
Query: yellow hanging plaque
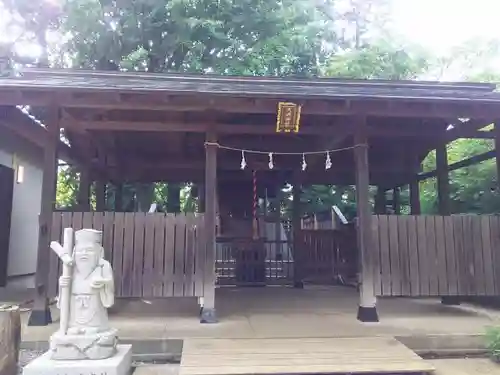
column 288, row 117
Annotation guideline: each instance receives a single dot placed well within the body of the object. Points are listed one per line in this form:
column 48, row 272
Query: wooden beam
column 418, row 133
column 443, row 183
column 83, row 195
column 201, row 197
column 461, row 164
column 298, row 263
column 19, row 123
column 380, row 201
column 367, row 308
column 167, row 171
column 208, row 311
column 415, row 207
column 118, row 196
column 388, row 107
column 496, row 152
column 100, row 196
column 40, row 315
column 396, row 201
column 341, row 131
column 191, row 127
column 308, row 179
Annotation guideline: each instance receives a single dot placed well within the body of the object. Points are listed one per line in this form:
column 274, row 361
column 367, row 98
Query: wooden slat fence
column 437, row 255
column 152, row 254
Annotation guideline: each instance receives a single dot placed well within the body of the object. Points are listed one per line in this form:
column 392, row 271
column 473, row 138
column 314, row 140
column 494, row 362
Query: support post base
column 208, row 316
column 368, row 314
column 450, row 301
column 298, row 284
column 40, row 317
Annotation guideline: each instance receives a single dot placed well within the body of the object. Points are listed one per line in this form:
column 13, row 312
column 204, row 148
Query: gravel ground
column 26, row 356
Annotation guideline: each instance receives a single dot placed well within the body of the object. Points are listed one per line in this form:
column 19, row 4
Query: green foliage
column 256, row 37
column 493, row 342
column 473, row 189
column 67, row 186
column 377, row 62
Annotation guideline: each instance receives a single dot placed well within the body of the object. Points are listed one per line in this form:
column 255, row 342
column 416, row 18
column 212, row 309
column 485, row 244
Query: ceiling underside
column 152, row 127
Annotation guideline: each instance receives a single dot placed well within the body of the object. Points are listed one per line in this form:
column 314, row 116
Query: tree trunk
column 10, row 338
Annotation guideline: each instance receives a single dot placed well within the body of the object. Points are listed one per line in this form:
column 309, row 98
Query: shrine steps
column 374, row 355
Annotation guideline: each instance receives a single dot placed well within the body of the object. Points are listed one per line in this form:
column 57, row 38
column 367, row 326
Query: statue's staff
column 65, row 253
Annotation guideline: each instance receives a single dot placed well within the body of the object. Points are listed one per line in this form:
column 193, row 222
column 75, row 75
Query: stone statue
column 86, row 291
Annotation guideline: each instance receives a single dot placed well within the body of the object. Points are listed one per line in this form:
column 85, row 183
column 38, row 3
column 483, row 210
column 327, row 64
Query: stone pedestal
column 99, row 345
column 119, row 364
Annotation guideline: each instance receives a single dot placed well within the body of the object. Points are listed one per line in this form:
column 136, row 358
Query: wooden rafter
column 19, row 123
column 461, row 164
column 394, row 107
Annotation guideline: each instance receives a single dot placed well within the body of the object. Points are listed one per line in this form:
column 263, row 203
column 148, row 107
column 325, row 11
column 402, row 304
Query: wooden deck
column 377, row 355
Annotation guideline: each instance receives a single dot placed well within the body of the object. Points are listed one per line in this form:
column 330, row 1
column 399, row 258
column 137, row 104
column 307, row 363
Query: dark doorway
column 6, row 192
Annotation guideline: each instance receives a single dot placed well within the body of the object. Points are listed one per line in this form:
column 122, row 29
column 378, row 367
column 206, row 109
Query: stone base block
column 208, row 316
column 450, row 301
column 120, row 364
column 367, row 314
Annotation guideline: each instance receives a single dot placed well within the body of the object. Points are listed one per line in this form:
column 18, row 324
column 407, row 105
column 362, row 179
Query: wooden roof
column 151, row 126
column 249, row 86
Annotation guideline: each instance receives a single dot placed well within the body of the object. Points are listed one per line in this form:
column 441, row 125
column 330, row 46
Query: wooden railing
column 153, row 254
column 437, row 255
column 245, row 261
column 328, row 255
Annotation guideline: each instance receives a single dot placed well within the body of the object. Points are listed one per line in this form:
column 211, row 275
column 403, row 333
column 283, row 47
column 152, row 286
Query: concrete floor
column 277, row 312
column 424, row 325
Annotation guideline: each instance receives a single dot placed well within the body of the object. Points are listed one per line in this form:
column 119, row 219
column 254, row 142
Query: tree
column 378, row 61
column 254, row 37
column 28, row 23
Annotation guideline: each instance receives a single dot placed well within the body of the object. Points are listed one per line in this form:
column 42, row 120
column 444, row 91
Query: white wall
column 25, row 205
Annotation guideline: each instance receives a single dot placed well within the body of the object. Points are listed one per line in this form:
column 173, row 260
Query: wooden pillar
column 444, row 200
column 208, row 314
column 119, row 197
column 367, row 311
column 173, row 198
column 100, row 184
column 396, row 201
column 415, row 208
column 298, row 277
column 497, row 150
column 100, row 196
column 83, row 196
column 443, row 180
column 380, row 201
column 40, row 315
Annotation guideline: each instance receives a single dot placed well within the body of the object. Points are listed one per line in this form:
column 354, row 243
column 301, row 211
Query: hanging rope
column 246, row 151
column 270, row 154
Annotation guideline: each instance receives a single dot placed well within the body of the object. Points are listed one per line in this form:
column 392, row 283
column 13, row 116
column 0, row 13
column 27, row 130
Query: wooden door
column 6, row 192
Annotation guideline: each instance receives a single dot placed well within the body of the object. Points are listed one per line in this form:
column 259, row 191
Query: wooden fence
column 437, row 255
column 153, row 254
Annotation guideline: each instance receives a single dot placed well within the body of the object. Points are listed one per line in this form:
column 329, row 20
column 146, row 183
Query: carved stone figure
column 86, row 291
